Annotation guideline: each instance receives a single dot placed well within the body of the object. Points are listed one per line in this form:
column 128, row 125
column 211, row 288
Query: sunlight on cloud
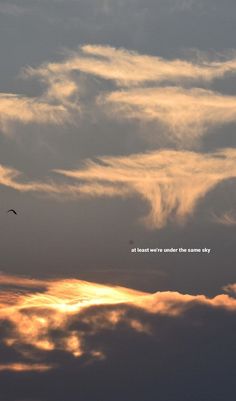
column 15, row 108
column 172, row 182
column 67, row 307
column 187, row 114
column 34, row 313
column 9, row 177
column 25, row 367
column 230, row 288
column 128, row 68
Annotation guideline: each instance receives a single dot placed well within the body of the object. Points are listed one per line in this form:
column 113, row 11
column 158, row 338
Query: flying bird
column 11, row 210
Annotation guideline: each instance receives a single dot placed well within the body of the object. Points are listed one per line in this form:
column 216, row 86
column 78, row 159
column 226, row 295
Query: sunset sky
column 117, row 131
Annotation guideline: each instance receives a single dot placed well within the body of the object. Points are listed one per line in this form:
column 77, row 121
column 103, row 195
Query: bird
column 11, row 210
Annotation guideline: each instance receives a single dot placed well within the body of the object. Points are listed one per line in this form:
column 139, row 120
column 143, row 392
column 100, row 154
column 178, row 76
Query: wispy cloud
column 15, row 108
column 14, row 179
column 171, row 182
column 58, row 104
column 186, row 113
column 227, row 219
column 127, row 68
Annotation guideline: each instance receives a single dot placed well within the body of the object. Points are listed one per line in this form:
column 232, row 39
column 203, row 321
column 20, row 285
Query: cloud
column 128, row 68
column 171, row 182
column 24, row 367
column 230, row 288
column 58, row 104
column 227, row 219
column 34, row 313
column 186, row 113
column 15, row 108
column 72, row 318
column 10, row 177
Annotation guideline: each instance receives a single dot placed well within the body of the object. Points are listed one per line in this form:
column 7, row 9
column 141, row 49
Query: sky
column 117, row 134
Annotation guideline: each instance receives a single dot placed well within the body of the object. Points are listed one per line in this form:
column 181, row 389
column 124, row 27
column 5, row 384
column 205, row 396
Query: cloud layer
column 70, row 325
column 163, row 179
column 35, row 308
column 143, row 92
column 171, row 182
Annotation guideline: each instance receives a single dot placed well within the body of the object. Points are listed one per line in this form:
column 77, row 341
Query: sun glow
column 59, row 315
column 34, row 314
column 24, row 367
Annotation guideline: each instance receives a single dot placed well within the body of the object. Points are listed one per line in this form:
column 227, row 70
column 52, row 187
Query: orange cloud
column 25, row 367
column 231, row 288
column 186, row 113
column 172, row 182
column 10, row 177
column 128, row 68
column 34, row 314
column 15, row 108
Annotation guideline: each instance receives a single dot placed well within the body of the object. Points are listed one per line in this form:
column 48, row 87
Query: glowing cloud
column 130, row 68
column 172, row 182
column 187, row 114
column 15, row 108
column 33, row 315
column 10, row 177
column 25, row 367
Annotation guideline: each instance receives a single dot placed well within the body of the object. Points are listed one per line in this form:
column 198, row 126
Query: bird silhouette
column 11, row 210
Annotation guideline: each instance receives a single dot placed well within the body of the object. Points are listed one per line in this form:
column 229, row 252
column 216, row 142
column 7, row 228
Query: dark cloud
column 187, row 355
